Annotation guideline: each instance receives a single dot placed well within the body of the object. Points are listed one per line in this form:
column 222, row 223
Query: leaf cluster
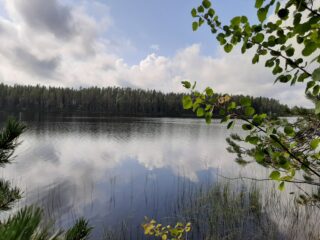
column 290, row 42
column 278, row 40
column 177, row 232
column 270, row 142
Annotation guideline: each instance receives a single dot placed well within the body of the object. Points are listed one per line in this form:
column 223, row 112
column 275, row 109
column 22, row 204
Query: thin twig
column 268, row 179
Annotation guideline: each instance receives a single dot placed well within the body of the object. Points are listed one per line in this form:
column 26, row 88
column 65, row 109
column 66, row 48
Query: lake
column 115, row 171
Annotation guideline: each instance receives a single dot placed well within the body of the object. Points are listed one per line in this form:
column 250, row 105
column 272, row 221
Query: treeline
column 110, row 100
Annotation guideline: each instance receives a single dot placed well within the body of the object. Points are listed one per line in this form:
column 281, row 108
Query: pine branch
column 80, row 231
column 8, row 140
column 22, row 225
column 8, row 195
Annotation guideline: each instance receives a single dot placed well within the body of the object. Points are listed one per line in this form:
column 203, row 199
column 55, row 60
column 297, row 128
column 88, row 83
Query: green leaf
column 244, row 48
column 249, row 111
column 232, row 106
column 236, row 21
column 200, row 9
column 283, row 13
column 208, row 117
column 281, row 186
column 289, row 131
column 255, row 59
column 316, row 90
column 270, row 63
column 292, row 172
column 195, row 26
column 283, row 78
column 310, row 84
column 252, row 139
column 277, row 69
column 259, row 38
column 201, row 21
column 283, row 162
column 286, row 178
column 244, row 19
column 195, row 106
column 303, row 28
column 263, row 115
column 315, row 143
column 297, row 18
column 194, row 85
column 259, row 156
column 221, row 38
column 290, row 52
column 274, row 137
column 277, row 8
column 230, row 124
column 302, row 77
column 211, row 12
column 258, row 3
column 316, row 74
column 247, row 127
column 257, row 119
column 262, row 14
column 309, row 48
column 228, row 47
column 206, row 3
column 209, row 91
column 275, row 175
column 187, row 102
column 186, row 84
column 225, row 119
column 200, row 112
column 193, row 12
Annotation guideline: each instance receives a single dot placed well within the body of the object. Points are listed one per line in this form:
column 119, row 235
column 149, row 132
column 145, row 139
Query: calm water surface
column 115, row 171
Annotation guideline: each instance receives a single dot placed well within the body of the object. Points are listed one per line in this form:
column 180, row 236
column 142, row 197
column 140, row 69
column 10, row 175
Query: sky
column 145, row 44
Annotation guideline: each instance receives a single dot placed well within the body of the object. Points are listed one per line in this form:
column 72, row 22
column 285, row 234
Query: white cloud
column 64, row 46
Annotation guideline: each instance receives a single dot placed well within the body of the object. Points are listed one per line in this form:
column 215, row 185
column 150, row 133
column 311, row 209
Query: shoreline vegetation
column 239, row 210
column 115, row 101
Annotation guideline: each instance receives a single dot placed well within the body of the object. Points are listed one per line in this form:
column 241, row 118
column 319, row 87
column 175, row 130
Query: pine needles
column 27, row 223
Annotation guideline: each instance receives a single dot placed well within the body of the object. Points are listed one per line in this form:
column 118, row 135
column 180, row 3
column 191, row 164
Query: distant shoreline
column 117, row 102
column 85, row 115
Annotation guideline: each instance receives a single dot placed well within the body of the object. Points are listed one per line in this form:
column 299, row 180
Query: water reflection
column 116, row 170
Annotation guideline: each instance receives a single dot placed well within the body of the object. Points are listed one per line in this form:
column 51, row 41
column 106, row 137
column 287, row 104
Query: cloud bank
column 49, row 43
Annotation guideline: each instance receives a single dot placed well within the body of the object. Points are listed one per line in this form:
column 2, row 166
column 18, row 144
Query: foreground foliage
column 238, row 210
column 28, row 223
column 178, row 232
column 290, row 41
column 8, row 142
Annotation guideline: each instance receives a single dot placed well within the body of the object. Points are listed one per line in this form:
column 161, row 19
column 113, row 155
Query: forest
column 113, row 101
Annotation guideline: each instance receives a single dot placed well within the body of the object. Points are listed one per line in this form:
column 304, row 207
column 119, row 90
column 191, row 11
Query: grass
column 236, row 211
column 221, row 209
column 225, row 210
